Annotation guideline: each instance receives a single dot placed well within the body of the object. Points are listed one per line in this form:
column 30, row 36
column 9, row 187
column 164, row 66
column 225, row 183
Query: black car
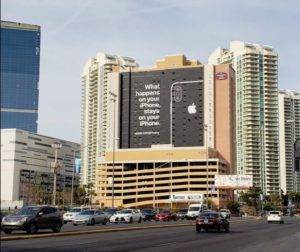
column 211, row 220
column 33, row 218
column 148, row 213
column 182, row 213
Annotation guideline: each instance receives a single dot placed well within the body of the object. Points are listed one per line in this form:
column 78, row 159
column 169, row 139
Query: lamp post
column 171, row 103
column 55, row 165
column 113, row 99
column 205, row 127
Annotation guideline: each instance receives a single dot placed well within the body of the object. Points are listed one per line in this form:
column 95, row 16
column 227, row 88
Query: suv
column 33, row 218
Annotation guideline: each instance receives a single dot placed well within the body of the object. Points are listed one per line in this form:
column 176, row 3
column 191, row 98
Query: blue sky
column 74, row 30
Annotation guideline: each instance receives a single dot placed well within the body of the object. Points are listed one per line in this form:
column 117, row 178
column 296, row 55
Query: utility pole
column 55, row 165
column 206, row 145
column 113, row 99
column 73, row 174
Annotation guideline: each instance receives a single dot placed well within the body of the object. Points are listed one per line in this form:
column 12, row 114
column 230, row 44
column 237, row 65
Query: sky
column 72, row 31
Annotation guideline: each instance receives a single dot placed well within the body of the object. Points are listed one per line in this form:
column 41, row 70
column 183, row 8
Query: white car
column 275, row 216
column 225, row 213
column 70, row 215
column 127, row 215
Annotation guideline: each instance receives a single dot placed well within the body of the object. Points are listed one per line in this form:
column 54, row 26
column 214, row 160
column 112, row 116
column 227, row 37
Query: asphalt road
column 244, row 236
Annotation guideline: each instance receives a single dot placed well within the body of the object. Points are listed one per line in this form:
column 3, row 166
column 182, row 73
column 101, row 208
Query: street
column 245, row 236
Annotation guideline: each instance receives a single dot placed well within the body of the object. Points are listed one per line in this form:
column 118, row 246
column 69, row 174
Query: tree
column 79, row 195
column 233, row 206
column 251, row 197
column 89, row 192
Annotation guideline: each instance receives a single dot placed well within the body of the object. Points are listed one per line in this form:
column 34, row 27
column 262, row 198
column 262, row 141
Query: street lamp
column 171, row 103
column 205, row 127
column 73, row 174
column 55, row 165
column 113, row 99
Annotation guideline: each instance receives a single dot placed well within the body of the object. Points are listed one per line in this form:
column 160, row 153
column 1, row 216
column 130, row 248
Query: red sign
column 221, row 76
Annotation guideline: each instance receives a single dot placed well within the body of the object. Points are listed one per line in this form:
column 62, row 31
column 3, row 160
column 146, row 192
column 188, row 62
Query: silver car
column 90, row 217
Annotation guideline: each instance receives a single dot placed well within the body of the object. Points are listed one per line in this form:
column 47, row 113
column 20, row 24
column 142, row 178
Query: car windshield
column 75, row 210
column 274, row 212
column 194, row 209
column 183, row 210
column 125, row 211
column 209, row 215
column 88, row 212
column 28, row 211
column 146, row 210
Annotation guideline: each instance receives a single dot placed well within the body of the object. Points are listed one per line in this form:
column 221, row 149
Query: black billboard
column 146, row 105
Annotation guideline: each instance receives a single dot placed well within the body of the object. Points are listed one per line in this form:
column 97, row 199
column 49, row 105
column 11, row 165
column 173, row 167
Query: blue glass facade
column 20, row 61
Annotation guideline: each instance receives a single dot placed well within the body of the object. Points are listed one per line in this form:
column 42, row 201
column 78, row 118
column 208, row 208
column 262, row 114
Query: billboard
column 234, row 181
column 161, row 107
column 181, row 197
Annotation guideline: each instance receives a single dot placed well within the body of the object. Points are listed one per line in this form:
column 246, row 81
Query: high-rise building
column 289, row 131
column 179, row 102
column 20, row 63
column 257, row 137
column 176, row 131
column 95, row 99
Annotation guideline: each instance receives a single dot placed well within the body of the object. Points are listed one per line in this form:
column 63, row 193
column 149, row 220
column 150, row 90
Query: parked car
column 90, row 217
column 127, row 215
column 70, row 215
column 148, row 213
column 33, row 218
column 165, row 215
column 110, row 212
column 211, row 220
column 275, row 216
column 195, row 209
column 225, row 213
column 182, row 213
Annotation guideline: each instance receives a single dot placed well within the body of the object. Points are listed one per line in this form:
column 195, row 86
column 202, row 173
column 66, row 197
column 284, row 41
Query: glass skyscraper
column 20, row 63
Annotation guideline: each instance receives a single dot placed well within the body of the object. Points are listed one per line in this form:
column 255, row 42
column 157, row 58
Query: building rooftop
column 19, row 26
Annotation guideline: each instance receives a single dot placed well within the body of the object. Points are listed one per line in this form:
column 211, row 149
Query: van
column 194, row 210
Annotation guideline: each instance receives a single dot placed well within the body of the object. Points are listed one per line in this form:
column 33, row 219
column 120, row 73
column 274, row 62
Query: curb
column 95, row 231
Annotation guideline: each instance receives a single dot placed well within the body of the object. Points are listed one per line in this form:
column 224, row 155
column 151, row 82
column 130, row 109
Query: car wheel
column 269, row 221
column 65, row 222
column 281, row 222
column 130, row 220
column 92, row 222
column 32, row 229
column 140, row 220
column 198, row 229
column 104, row 222
column 57, row 228
column 226, row 229
column 219, row 229
column 74, row 224
column 7, row 231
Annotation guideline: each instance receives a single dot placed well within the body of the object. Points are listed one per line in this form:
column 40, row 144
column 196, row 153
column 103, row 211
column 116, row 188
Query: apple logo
column 192, row 109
